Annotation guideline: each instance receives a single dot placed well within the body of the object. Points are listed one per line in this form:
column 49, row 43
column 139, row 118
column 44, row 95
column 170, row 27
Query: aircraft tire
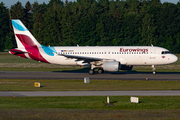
column 91, row 72
column 100, row 71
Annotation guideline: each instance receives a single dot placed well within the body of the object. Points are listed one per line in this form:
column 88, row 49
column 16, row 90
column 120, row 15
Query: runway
column 82, row 75
column 90, row 93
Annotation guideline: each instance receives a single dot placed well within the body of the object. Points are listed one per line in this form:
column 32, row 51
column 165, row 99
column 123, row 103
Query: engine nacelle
column 126, row 67
column 111, row 66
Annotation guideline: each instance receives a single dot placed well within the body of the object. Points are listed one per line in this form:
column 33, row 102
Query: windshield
column 166, row 52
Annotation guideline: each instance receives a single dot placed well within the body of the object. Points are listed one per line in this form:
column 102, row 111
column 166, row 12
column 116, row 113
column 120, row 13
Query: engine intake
column 111, row 66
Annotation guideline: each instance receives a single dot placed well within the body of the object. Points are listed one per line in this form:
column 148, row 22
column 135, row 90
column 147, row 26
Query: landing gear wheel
column 154, row 69
column 91, row 72
column 100, row 71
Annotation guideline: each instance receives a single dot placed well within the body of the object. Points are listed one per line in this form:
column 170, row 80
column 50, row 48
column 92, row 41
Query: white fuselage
column 126, row 55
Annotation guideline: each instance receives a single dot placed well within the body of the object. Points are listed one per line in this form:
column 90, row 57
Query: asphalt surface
column 81, row 75
column 90, row 93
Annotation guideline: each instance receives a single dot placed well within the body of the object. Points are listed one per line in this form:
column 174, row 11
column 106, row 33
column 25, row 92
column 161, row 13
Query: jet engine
column 111, row 66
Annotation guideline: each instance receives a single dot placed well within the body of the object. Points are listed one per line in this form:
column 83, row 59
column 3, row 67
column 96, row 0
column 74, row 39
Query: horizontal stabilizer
column 17, row 51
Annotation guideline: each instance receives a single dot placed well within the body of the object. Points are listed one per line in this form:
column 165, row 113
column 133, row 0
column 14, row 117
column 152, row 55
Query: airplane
column 103, row 58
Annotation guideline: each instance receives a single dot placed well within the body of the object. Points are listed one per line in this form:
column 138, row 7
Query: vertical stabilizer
column 28, row 46
column 23, row 37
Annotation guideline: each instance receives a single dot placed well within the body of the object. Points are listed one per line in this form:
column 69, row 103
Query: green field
column 79, row 85
column 85, row 108
column 90, row 107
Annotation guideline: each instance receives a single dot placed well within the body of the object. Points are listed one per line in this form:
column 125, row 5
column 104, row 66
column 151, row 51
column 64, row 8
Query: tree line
column 95, row 22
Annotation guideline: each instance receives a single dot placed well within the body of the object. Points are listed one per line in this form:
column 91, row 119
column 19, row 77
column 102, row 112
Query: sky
column 8, row 3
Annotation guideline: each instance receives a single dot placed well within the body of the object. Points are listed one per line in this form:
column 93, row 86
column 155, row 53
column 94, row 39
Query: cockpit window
column 166, row 52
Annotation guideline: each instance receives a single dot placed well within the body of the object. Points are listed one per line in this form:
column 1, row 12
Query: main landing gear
column 100, row 71
column 154, row 69
column 92, row 71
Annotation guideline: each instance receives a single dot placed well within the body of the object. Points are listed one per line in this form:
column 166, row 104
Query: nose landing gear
column 154, row 69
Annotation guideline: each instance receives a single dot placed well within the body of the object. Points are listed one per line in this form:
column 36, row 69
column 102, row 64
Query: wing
column 86, row 59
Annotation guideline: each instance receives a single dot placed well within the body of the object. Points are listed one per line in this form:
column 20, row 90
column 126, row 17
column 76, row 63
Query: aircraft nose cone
column 175, row 58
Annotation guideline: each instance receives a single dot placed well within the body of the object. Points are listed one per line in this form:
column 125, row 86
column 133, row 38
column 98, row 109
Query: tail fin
column 28, row 46
column 23, row 37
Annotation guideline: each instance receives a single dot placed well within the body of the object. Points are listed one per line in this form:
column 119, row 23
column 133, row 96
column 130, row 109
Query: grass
column 91, row 107
column 79, row 85
column 92, row 102
column 77, row 114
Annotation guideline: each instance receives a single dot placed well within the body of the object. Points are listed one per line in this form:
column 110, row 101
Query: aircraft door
column 152, row 53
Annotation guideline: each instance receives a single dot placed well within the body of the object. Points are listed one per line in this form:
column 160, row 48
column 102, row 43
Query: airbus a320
column 103, row 58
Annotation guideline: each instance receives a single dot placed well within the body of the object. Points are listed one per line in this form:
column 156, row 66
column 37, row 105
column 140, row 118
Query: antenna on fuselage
column 77, row 45
column 151, row 45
